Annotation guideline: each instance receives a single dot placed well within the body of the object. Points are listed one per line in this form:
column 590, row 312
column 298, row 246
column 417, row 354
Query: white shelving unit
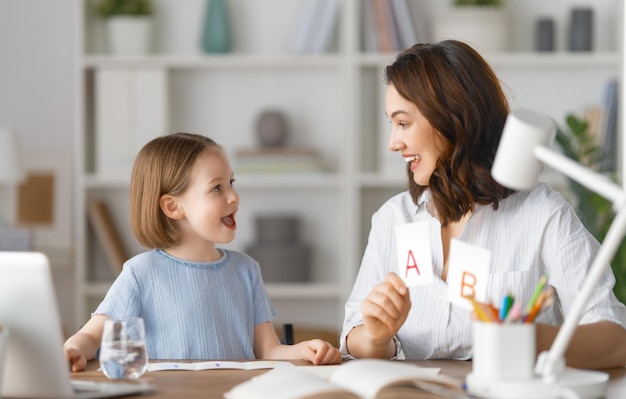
column 333, row 103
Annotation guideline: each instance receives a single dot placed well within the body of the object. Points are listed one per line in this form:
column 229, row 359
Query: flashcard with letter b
column 414, row 260
column 468, row 272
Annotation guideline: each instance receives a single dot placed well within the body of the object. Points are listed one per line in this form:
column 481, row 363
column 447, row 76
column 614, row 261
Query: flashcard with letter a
column 468, row 271
column 414, row 260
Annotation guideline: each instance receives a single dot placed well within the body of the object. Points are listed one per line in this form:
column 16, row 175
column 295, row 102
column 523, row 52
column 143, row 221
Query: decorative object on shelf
column 282, row 257
column 484, row 24
column 272, row 128
column 544, row 35
column 128, row 25
column 581, row 29
column 216, row 35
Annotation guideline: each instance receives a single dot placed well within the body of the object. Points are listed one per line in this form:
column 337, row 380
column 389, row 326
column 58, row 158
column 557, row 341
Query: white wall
column 36, row 99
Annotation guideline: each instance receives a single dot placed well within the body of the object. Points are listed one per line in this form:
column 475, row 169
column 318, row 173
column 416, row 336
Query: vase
column 216, row 36
column 128, row 35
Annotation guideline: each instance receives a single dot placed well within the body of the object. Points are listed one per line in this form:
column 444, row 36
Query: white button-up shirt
column 532, row 233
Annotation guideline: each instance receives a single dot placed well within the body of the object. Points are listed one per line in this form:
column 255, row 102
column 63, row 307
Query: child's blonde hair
column 163, row 166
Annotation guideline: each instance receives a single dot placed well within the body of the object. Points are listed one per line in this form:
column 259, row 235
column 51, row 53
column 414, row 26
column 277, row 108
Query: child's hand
column 318, row 351
column 76, row 359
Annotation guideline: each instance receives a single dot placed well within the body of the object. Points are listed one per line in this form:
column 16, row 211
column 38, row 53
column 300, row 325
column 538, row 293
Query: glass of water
column 123, row 353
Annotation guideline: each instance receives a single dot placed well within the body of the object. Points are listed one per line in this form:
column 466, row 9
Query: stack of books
column 278, row 160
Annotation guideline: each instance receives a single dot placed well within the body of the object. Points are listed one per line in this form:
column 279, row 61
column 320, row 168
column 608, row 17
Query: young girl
column 197, row 301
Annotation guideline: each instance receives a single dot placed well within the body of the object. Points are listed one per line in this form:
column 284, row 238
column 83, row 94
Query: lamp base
column 586, row 383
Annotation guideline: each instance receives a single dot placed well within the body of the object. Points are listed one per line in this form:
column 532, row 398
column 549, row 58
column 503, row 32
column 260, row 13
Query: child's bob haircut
column 163, row 166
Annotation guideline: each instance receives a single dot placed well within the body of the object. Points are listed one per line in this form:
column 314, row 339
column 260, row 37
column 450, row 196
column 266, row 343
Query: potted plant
column 128, row 25
column 595, row 211
column 484, row 24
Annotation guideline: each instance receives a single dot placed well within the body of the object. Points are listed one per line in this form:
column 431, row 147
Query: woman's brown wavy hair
column 460, row 95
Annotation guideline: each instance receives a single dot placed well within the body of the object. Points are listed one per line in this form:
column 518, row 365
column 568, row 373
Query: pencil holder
column 503, row 351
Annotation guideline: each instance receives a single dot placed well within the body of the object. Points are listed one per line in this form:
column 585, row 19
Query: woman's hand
column 385, row 309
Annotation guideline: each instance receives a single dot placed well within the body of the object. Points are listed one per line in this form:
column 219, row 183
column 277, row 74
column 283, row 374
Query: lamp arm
column 551, row 364
column 583, row 175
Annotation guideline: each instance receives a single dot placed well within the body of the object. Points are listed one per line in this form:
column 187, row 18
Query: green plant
column 490, row 3
column 594, row 211
column 110, row 8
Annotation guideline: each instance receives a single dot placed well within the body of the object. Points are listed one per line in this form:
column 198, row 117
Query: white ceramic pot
column 484, row 28
column 4, row 338
column 128, row 35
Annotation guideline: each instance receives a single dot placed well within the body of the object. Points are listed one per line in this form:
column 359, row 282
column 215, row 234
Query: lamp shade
column 515, row 165
column 11, row 170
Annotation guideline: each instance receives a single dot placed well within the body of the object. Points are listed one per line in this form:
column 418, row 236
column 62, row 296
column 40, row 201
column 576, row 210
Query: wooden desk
column 212, row 384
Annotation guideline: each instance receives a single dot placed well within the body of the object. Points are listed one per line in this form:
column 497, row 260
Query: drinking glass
column 123, row 353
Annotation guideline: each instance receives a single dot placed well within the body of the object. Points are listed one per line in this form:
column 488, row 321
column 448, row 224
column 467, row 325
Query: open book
column 355, row 379
column 211, row 365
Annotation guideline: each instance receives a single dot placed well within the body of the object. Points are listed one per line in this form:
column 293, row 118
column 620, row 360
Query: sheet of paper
column 414, row 259
column 468, row 271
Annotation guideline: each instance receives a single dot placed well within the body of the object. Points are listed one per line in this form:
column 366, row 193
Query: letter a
column 411, row 264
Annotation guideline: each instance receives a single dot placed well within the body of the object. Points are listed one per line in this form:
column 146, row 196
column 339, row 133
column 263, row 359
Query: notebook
column 34, row 363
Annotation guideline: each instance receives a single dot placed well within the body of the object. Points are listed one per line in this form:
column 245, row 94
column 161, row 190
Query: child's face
column 210, row 202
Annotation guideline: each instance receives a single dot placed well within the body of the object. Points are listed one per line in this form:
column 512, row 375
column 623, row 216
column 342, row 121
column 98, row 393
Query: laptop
column 34, row 363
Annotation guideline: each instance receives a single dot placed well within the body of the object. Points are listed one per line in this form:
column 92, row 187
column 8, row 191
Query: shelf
column 242, row 181
column 229, row 61
column 523, row 60
column 378, row 180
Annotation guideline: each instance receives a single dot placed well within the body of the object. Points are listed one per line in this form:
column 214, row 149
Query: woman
column 447, row 112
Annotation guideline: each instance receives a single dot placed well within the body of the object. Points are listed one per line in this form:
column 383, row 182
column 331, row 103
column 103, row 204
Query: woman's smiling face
column 412, row 135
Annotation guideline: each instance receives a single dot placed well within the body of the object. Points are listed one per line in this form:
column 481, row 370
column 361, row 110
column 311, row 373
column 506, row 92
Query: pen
column 514, row 312
column 542, row 282
column 506, row 306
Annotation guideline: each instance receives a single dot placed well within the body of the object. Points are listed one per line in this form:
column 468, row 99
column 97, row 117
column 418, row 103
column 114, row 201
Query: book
column 404, row 23
column 326, row 26
column 609, row 146
column 107, row 234
column 354, row 379
column 219, row 365
column 130, row 109
column 278, row 160
column 313, row 29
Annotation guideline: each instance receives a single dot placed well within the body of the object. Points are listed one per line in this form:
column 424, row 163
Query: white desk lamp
column 11, row 170
column 518, row 163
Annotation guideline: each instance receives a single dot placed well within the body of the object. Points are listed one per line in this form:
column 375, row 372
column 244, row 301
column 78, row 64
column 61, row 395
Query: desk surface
column 213, row 383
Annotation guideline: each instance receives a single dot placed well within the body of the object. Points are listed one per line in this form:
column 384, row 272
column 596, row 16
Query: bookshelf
column 334, row 104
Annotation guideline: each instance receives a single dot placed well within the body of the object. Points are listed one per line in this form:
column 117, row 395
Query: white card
column 414, row 260
column 468, row 271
